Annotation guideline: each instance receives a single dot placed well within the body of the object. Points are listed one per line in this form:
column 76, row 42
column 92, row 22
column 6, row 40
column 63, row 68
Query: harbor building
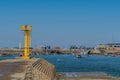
column 110, row 46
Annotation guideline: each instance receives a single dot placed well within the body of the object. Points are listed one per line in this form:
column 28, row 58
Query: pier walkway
column 14, row 69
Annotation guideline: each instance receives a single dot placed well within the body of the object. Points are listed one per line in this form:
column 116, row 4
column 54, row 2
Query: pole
column 26, row 45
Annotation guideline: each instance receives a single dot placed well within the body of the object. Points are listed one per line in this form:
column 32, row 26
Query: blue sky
column 60, row 22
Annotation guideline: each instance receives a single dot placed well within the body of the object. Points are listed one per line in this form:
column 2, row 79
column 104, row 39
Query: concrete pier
column 41, row 70
column 14, row 69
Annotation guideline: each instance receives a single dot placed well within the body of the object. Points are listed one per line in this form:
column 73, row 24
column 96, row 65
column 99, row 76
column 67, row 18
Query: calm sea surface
column 95, row 63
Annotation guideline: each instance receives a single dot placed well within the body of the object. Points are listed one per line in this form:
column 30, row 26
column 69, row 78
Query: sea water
column 8, row 57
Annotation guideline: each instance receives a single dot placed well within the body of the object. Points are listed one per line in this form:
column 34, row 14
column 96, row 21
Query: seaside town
column 102, row 49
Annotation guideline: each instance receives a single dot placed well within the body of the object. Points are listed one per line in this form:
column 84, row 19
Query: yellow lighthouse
column 27, row 40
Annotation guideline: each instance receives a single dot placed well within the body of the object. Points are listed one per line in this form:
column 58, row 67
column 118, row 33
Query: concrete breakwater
column 14, row 69
column 30, row 69
column 40, row 70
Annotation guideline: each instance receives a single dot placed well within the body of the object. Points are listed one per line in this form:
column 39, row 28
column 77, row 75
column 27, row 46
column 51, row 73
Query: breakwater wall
column 40, row 70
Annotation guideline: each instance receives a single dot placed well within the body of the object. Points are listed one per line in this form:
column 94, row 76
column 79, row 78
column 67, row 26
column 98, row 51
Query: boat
column 78, row 56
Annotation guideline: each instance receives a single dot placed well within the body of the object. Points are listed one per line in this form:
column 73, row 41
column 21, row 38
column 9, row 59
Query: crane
column 27, row 40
